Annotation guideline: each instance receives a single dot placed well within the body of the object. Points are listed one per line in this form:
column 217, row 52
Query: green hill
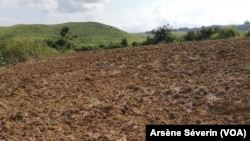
column 87, row 33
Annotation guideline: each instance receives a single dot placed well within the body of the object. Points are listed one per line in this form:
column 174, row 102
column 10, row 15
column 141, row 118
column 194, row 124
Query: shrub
column 191, row 36
column 148, row 41
column 59, row 44
column 13, row 52
column 228, row 32
column 2, row 61
column 207, row 32
column 162, row 34
column 64, row 31
column 215, row 36
column 247, row 34
column 124, row 42
column 212, row 33
column 134, row 44
column 117, row 45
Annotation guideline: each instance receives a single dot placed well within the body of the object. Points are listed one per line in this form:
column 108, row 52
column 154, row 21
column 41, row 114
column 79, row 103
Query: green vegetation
column 160, row 35
column 241, row 27
column 12, row 52
column 247, row 68
column 20, row 43
column 85, row 34
column 224, row 33
column 124, row 42
column 166, row 35
column 247, row 33
column 177, row 58
column 212, row 33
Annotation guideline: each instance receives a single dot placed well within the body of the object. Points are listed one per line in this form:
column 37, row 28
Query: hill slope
column 86, row 32
column 113, row 94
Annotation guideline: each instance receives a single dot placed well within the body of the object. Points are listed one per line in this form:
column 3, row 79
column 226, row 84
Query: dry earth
column 114, row 94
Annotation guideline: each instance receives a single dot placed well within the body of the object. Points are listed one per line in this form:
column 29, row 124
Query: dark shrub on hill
column 247, row 34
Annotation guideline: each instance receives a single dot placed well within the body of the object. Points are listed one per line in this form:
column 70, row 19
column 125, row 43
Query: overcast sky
column 128, row 15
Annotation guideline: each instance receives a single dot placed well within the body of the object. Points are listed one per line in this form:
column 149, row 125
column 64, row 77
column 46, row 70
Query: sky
column 128, row 15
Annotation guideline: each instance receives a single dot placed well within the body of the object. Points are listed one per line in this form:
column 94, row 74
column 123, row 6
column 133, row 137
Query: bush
column 114, row 45
column 59, row 44
column 134, row 44
column 247, row 34
column 149, row 41
column 215, row 36
column 228, row 32
column 124, row 42
column 206, row 33
column 191, row 36
column 212, row 33
column 13, row 52
column 2, row 61
column 64, row 31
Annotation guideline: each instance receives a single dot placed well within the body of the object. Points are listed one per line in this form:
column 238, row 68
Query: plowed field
column 113, row 94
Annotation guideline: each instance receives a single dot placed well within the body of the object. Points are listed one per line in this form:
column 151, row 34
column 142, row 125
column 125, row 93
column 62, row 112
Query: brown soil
column 114, row 94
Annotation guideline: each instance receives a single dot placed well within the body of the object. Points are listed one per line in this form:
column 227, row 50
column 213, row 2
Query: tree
column 64, row 31
column 206, row 33
column 191, row 36
column 124, row 42
column 63, row 42
column 162, row 34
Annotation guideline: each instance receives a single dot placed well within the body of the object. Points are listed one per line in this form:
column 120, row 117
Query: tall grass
column 14, row 51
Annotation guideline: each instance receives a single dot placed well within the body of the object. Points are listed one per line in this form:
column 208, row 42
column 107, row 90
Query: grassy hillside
column 20, row 43
column 88, row 33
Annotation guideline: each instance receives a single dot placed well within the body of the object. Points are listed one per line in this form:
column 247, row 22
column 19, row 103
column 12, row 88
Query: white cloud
column 191, row 13
column 4, row 3
column 72, row 6
column 44, row 5
column 132, row 16
column 65, row 6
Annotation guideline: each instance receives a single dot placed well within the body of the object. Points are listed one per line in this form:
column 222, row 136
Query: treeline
column 242, row 27
column 164, row 34
column 211, row 33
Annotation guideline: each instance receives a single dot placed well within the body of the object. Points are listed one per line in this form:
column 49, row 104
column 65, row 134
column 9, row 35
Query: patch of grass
column 179, row 33
column 247, row 69
column 13, row 52
column 94, row 102
column 177, row 58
